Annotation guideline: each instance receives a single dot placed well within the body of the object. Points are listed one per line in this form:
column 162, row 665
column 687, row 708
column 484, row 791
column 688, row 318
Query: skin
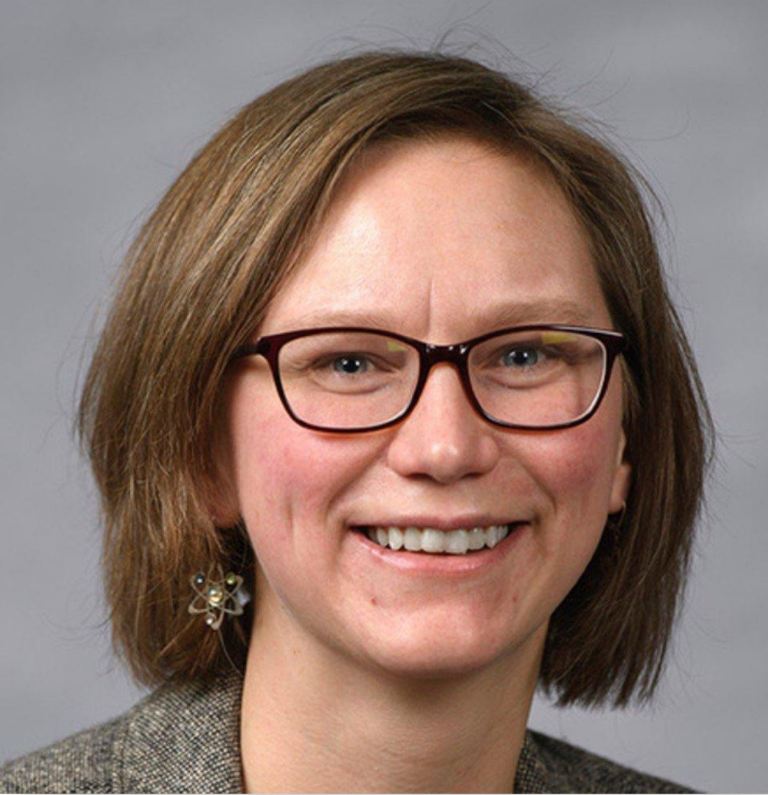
column 361, row 677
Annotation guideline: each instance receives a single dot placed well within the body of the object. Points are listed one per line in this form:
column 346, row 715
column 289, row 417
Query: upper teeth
column 427, row 539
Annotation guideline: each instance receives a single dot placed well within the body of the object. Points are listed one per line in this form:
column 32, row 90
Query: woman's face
column 441, row 241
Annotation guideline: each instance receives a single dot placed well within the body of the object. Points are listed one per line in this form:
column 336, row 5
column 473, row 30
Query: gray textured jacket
column 185, row 738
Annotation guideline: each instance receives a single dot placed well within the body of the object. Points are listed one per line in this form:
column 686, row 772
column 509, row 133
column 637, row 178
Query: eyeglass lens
column 534, row 378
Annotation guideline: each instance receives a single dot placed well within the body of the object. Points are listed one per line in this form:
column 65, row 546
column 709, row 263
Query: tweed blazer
column 185, row 738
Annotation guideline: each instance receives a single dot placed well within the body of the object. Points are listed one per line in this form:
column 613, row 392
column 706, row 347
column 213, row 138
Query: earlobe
column 622, row 478
column 220, row 493
column 221, row 499
column 220, row 503
column 224, row 517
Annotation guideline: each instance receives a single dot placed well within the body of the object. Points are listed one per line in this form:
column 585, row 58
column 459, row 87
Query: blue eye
column 350, row 365
column 521, row 357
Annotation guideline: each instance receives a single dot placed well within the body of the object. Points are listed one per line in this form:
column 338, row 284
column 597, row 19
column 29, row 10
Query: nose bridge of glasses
column 454, row 355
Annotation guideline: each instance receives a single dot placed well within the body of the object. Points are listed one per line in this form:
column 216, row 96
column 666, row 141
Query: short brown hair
column 196, row 284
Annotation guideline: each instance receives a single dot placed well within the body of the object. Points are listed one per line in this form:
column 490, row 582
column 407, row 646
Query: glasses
column 350, row 379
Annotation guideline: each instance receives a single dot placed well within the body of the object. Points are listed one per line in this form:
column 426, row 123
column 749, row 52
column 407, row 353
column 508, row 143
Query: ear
column 219, row 492
column 622, row 478
column 221, row 501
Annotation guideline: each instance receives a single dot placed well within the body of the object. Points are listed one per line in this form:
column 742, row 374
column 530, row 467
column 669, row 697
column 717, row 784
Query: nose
column 444, row 438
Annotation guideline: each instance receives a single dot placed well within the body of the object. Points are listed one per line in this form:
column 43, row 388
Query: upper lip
column 446, row 524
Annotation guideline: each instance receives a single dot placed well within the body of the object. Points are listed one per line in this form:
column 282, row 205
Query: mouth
column 431, row 541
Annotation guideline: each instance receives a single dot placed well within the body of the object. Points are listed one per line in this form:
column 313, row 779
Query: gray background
column 102, row 103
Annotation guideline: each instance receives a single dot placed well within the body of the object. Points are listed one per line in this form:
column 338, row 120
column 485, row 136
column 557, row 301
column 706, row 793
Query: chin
column 435, row 654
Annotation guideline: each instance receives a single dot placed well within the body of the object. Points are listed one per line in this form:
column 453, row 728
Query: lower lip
column 442, row 564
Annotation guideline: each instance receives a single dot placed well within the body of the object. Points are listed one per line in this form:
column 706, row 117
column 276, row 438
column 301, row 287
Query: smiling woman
column 394, row 357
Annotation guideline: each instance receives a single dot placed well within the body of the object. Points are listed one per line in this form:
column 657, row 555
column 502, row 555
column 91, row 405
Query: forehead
column 443, row 239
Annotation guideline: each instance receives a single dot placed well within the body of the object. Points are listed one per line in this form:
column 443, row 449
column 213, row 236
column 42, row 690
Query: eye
column 522, row 357
column 351, row 364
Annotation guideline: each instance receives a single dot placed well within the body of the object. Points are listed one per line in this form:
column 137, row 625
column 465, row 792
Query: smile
column 432, row 541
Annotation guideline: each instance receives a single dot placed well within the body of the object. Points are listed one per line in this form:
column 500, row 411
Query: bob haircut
column 196, row 284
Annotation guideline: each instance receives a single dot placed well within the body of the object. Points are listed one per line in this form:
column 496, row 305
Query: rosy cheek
column 577, row 464
column 286, row 476
column 573, row 470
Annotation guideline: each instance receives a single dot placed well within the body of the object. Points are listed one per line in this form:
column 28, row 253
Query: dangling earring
column 217, row 597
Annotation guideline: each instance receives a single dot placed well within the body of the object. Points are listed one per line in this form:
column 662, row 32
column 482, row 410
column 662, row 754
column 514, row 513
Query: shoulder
column 180, row 738
column 80, row 763
column 574, row 769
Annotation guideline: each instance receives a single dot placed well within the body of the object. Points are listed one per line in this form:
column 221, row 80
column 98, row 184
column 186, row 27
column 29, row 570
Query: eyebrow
column 513, row 314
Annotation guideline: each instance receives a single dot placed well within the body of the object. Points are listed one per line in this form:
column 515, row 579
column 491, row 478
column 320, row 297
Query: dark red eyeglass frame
column 456, row 354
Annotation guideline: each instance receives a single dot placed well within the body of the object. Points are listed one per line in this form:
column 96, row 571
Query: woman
column 393, row 422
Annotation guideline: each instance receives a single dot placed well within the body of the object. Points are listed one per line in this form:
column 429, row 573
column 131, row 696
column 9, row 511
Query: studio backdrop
column 102, row 103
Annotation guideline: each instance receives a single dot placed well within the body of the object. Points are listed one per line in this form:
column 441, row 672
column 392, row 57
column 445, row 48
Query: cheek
column 286, row 478
column 577, row 466
column 574, row 472
column 289, row 484
column 569, row 472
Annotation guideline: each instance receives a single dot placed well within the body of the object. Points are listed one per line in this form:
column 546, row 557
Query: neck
column 313, row 720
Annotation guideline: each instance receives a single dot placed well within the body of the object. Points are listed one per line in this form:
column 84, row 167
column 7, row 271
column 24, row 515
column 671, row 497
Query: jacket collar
column 183, row 738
